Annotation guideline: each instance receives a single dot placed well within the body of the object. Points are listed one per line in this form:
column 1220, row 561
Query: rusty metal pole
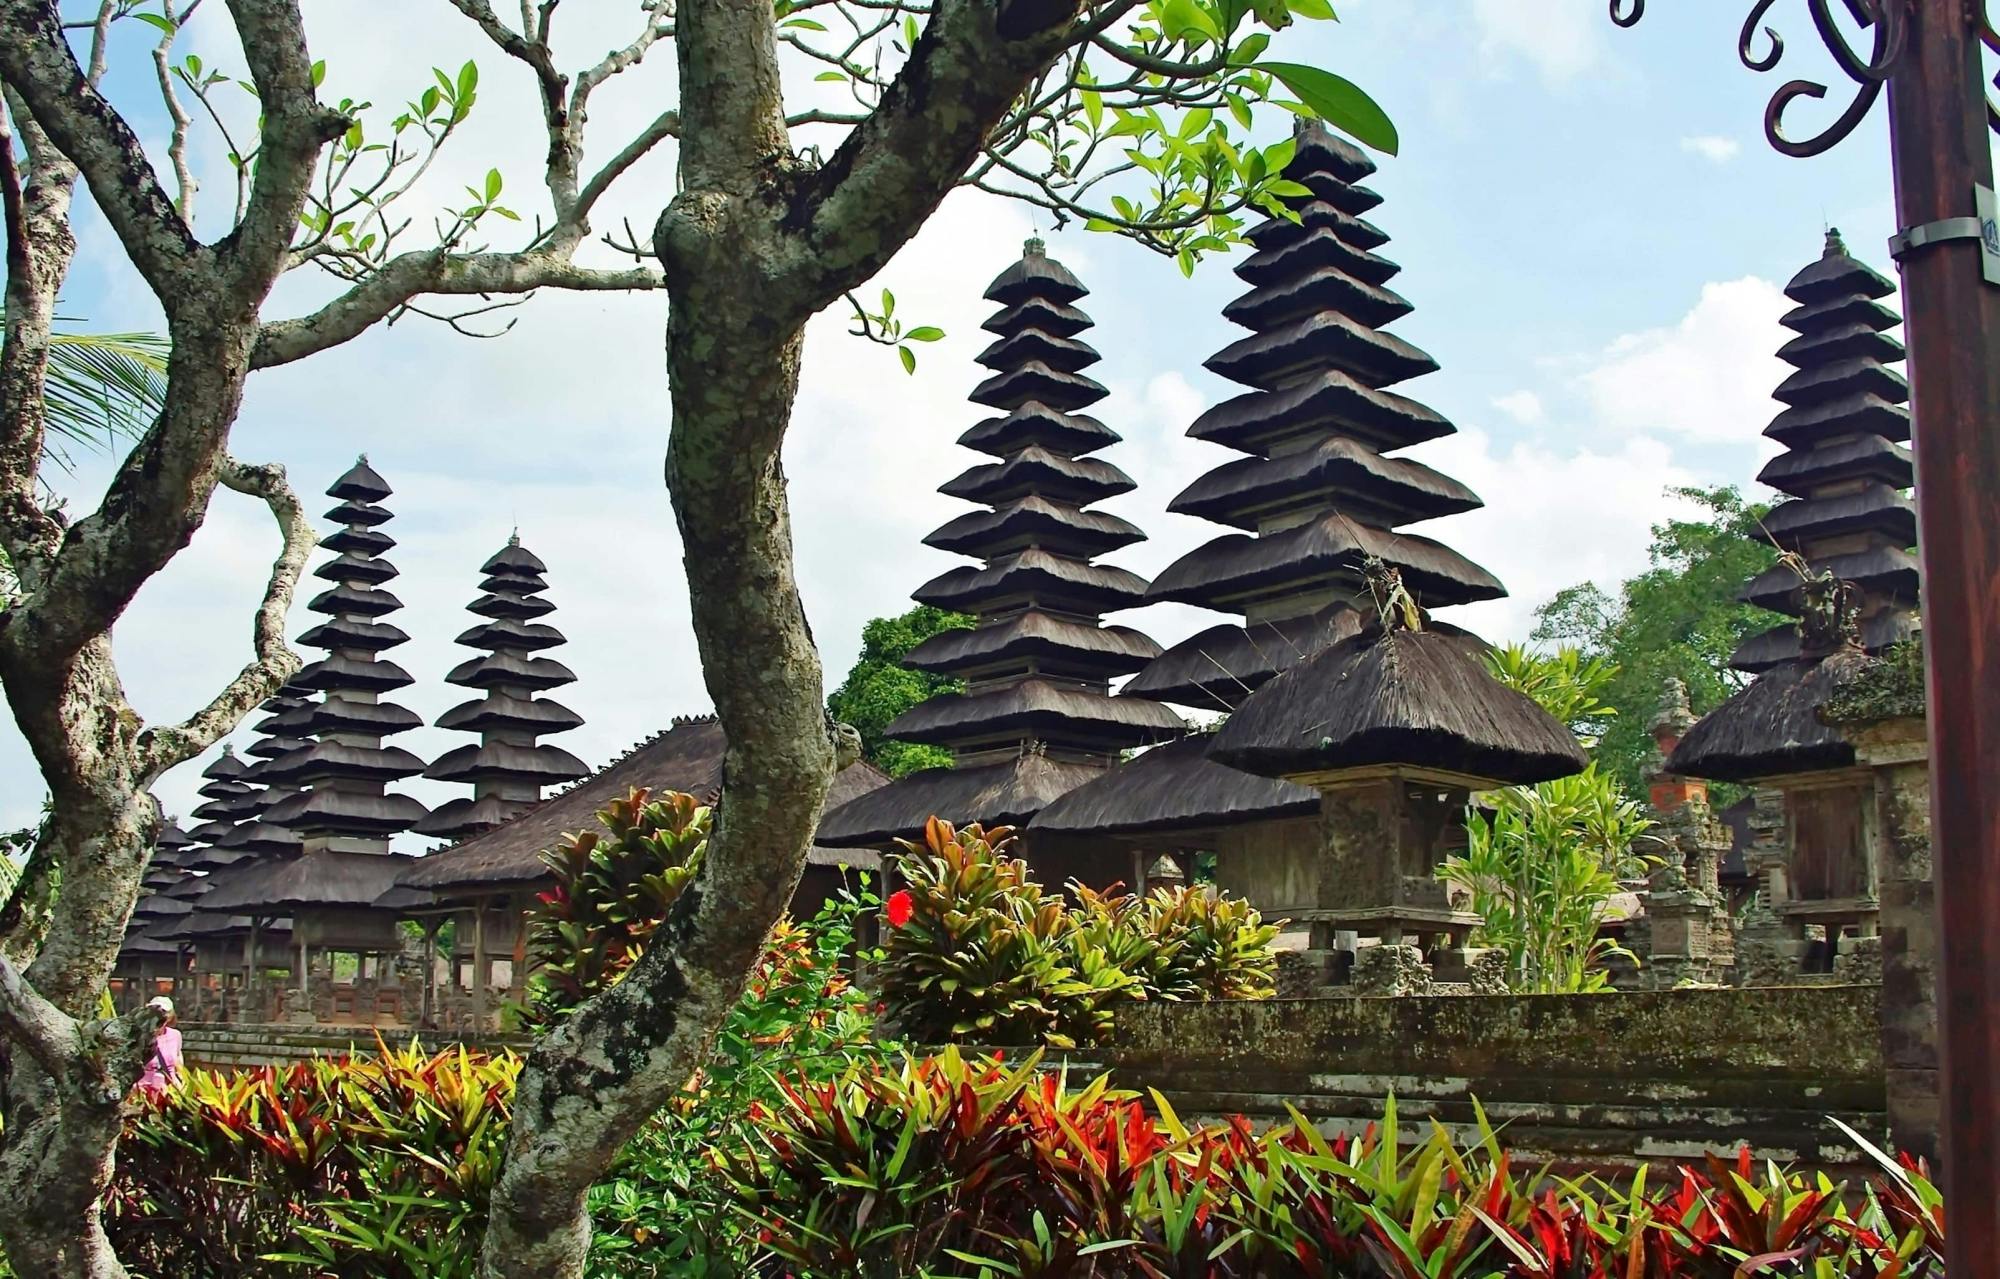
column 1940, row 139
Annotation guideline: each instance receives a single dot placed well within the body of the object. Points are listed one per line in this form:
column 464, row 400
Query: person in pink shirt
column 164, row 1066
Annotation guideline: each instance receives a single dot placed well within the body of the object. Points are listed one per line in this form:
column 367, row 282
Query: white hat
column 163, row 1004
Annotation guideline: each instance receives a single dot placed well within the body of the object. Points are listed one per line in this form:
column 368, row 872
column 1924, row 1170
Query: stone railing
column 223, row 1045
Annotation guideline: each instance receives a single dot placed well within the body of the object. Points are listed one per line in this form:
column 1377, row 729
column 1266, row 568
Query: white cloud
column 1561, row 41
column 1711, row 147
column 1524, row 407
column 1708, row 377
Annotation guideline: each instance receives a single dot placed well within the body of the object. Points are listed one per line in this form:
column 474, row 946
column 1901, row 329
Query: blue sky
column 1592, row 230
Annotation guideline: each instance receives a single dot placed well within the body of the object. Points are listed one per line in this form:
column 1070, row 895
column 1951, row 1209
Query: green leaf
column 1181, row 19
column 155, row 20
column 318, row 72
column 909, row 359
column 925, row 333
column 1339, row 102
column 832, row 75
column 468, row 79
column 492, row 185
column 888, row 304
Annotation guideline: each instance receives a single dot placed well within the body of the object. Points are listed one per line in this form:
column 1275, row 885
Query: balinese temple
column 487, row 882
column 148, row 964
column 1845, row 471
column 1313, row 493
column 1037, row 718
column 508, row 769
column 229, row 801
column 284, row 713
column 340, row 809
column 1395, row 727
column 1850, row 579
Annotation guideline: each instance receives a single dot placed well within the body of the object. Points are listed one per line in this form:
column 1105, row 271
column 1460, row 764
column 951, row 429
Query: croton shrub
column 978, row 950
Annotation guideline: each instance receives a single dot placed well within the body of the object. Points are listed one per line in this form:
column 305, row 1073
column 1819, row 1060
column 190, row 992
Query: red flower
column 900, row 908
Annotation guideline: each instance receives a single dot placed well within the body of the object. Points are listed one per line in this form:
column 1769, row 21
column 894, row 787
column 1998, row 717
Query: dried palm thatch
column 1173, row 788
column 1772, row 728
column 1008, row 793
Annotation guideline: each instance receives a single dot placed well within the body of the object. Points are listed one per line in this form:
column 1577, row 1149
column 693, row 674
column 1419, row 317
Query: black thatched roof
column 1173, row 788
column 1772, row 728
column 318, row 880
column 1040, row 710
column 1781, row 643
column 1414, row 699
column 1219, row 667
column 1056, row 644
column 1002, row 794
column 1234, row 568
column 686, row 757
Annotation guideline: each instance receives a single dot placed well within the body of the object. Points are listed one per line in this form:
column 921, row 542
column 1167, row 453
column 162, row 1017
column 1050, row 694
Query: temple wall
column 227, row 1045
column 1597, row 1080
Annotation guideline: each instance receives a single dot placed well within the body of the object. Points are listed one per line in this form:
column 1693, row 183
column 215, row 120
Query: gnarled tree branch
column 50, row 1035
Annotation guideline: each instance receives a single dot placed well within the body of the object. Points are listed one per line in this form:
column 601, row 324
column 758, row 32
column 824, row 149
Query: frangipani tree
column 1132, row 115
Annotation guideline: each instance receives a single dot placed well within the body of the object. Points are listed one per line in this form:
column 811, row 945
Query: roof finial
column 514, row 538
column 1835, row 246
column 1033, row 247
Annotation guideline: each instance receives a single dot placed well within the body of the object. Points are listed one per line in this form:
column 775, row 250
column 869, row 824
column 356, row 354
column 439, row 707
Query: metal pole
column 1939, row 131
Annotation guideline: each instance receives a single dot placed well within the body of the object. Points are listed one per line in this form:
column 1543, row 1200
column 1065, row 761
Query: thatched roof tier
column 318, row 880
column 340, row 673
column 1035, row 521
column 1384, row 491
column 1860, row 457
column 1037, row 425
column 1037, row 472
column 1035, row 276
column 1319, row 249
column 686, row 758
column 1175, row 788
column 355, row 633
column 357, row 570
column 1037, row 382
column 170, row 842
column 515, row 561
column 270, row 747
column 1781, row 643
column 340, row 714
column 1330, row 400
column 1058, row 319
column 1057, row 645
column 1219, row 667
column 1008, row 793
column 1803, row 427
column 187, row 888
column 502, row 711
column 1028, row 343
column 226, row 768
column 1842, row 380
column 513, row 605
column 1411, row 699
column 1055, row 581
column 1840, row 312
column 500, row 670
column 1234, row 571
column 412, row 901
column 354, row 601
column 330, row 758
column 1772, row 728
column 1037, row 710
column 1836, row 276
column 513, row 636
column 341, row 812
column 362, row 514
column 156, row 904
column 1844, row 340
column 1874, row 508
column 541, row 765
column 1293, row 298
column 358, row 541
column 261, row 837
column 360, row 483
column 1279, row 357
column 210, row 859
column 1316, row 215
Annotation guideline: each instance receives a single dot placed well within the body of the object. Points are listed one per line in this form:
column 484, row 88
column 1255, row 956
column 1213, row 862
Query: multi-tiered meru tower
column 1037, row 716
column 508, row 769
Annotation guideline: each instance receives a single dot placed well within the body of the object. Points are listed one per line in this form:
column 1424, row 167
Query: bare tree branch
column 36, row 62
column 666, row 125
column 50, row 1036
column 162, row 748
column 184, row 180
column 411, row 275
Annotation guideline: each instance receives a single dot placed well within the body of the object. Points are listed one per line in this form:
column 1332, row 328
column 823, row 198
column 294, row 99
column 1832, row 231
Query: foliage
column 984, row 953
column 321, row 1166
column 101, row 386
column 954, row 1167
column 1680, row 618
column 613, row 889
column 1540, row 867
column 664, row 1209
column 880, row 687
column 1564, row 683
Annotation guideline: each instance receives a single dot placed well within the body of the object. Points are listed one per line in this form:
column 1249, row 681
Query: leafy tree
column 1131, row 116
column 1679, row 618
column 880, row 687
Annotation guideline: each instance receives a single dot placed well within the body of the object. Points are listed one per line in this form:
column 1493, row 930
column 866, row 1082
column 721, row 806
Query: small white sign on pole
column 1989, row 232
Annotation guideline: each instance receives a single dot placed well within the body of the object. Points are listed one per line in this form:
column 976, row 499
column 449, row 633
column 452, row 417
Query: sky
column 1592, row 230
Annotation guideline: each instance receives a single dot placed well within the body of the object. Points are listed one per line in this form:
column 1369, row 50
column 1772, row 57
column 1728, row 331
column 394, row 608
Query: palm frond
column 100, row 387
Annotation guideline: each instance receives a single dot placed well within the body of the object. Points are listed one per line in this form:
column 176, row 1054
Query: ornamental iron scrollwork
column 1887, row 23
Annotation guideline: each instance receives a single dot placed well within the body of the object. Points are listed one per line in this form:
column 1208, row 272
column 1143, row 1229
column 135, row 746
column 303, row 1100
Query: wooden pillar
column 428, row 1012
column 1942, row 147
column 479, row 965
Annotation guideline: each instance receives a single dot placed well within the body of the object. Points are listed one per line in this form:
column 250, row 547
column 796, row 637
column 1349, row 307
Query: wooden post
column 479, row 965
column 429, row 1010
column 1942, row 147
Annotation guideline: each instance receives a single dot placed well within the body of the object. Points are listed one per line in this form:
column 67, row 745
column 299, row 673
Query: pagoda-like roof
column 1057, row 581
column 1235, row 569
column 1217, row 668
column 1007, row 793
column 1038, row 425
column 1051, row 642
column 1384, row 491
column 318, row 880
column 1396, row 699
column 1771, row 728
column 686, row 758
column 1040, row 710
column 1175, row 788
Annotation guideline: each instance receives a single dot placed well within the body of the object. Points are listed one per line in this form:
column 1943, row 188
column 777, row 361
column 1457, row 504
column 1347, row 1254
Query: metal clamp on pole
column 1908, row 241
